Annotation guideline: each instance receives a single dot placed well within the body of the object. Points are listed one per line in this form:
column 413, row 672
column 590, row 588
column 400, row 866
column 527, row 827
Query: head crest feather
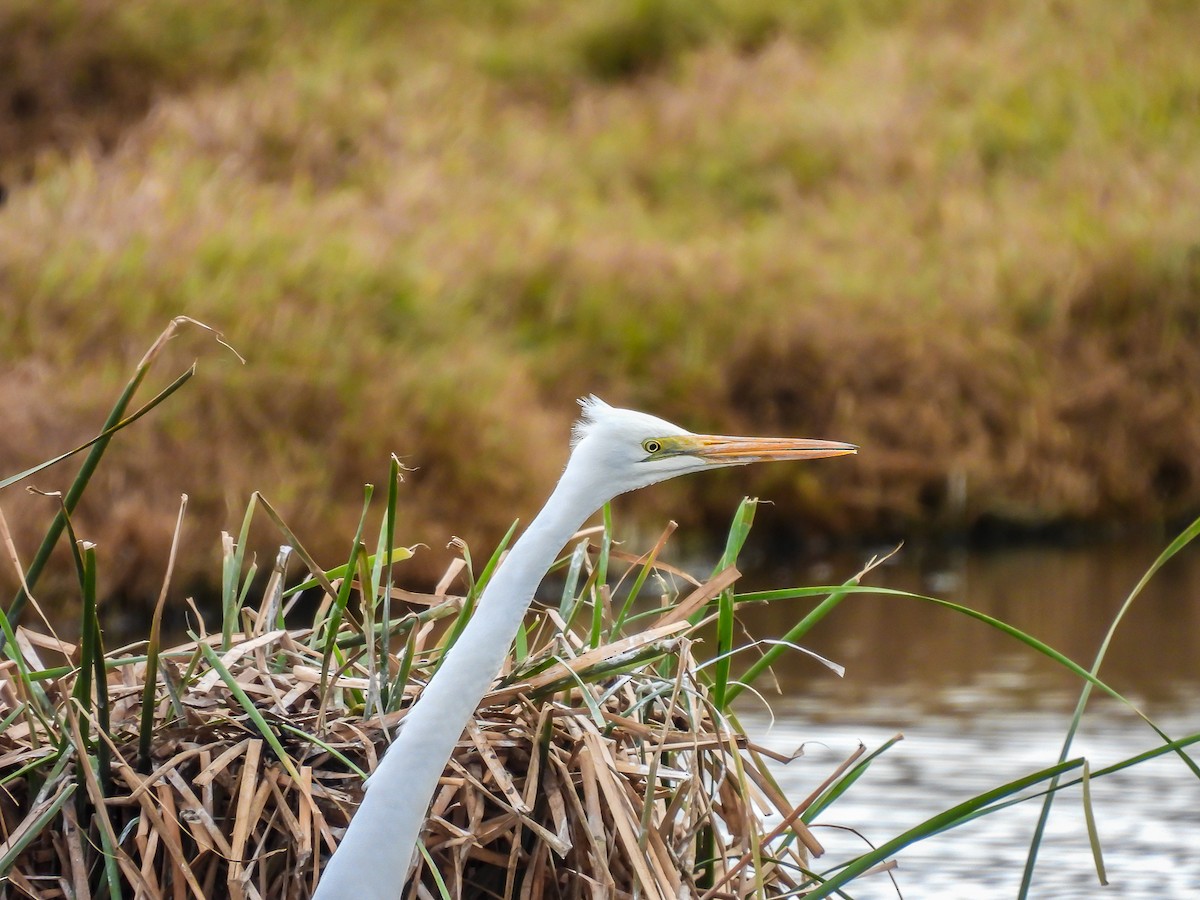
column 593, row 408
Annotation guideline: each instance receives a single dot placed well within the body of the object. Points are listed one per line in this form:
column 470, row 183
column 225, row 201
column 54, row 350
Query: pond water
column 977, row 709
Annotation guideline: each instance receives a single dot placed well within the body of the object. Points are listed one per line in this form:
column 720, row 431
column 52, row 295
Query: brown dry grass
column 963, row 240
column 588, row 771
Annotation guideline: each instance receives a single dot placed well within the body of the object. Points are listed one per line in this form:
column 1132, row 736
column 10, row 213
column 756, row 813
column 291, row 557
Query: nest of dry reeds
column 595, row 768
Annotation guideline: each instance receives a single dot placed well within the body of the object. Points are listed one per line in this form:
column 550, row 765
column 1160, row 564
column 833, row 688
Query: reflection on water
column 977, row 710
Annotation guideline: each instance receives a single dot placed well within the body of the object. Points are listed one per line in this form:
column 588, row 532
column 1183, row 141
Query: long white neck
column 373, row 859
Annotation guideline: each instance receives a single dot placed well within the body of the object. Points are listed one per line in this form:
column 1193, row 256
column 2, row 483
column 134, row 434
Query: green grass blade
column 494, row 560
column 368, row 592
column 89, row 649
column 793, row 636
column 843, row 784
column 589, row 589
column 475, row 587
column 13, row 716
column 397, row 554
column 232, row 592
column 1168, row 747
column 456, row 628
column 600, row 581
column 247, row 704
column 297, row 546
column 334, row 622
column 443, row 891
column 99, row 673
column 99, row 445
column 521, row 644
column 328, row 748
column 943, row 821
column 337, row 612
column 1089, row 816
column 112, row 870
column 396, row 694
column 566, row 607
column 32, row 766
column 36, row 703
column 33, row 825
column 105, row 434
column 739, row 530
column 1016, row 633
column 1185, row 537
column 80, row 483
column 724, row 658
column 153, row 646
column 586, row 695
column 387, row 541
column 1060, row 785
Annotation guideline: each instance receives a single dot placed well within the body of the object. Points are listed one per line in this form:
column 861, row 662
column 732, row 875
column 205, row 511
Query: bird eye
column 651, row 446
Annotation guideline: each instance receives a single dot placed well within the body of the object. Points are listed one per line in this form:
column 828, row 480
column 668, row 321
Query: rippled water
column 977, row 711
column 1148, row 816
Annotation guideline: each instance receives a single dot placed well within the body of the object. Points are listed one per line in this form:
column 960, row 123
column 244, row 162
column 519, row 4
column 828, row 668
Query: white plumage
column 613, row 451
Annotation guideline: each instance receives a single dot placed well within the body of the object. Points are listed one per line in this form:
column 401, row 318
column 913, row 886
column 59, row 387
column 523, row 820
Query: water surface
column 977, row 710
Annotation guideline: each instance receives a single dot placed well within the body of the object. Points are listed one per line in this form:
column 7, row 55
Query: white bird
column 613, row 451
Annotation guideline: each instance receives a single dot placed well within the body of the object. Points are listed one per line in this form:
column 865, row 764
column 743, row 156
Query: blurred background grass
column 964, row 236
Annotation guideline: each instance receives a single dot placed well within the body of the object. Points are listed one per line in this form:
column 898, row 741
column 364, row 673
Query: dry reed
column 589, row 771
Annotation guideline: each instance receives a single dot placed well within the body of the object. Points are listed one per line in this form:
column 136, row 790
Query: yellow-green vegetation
column 961, row 235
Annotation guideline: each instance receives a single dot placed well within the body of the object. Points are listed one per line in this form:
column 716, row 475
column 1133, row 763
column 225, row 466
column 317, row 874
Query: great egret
column 613, row 451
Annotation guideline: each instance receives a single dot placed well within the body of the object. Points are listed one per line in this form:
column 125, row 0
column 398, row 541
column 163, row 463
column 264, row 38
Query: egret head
column 619, row 450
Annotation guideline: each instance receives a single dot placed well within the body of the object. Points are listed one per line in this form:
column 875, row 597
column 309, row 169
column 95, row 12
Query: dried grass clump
column 605, row 762
column 599, row 771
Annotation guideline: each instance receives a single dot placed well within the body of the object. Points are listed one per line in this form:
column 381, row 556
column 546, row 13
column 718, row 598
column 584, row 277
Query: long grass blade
column 396, row 693
column 232, row 590
column 91, row 653
column 570, row 591
column 494, row 560
column 387, row 549
column 317, row 572
column 1089, row 816
column 1061, row 784
column 146, row 735
column 397, row 554
column 843, row 784
column 99, row 445
column 950, row 818
column 1182, row 540
column 793, row 636
column 368, row 591
column 739, row 530
column 99, row 675
column 1027, row 639
column 80, row 483
column 107, row 432
column 600, row 579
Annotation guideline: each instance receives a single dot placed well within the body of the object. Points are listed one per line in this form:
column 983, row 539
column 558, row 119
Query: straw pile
column 588, row 772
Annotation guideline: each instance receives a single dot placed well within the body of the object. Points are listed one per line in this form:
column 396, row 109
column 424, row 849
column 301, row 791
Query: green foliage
column 635, row 37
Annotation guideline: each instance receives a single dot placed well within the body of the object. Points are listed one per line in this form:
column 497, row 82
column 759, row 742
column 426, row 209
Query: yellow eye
column 651, row 446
